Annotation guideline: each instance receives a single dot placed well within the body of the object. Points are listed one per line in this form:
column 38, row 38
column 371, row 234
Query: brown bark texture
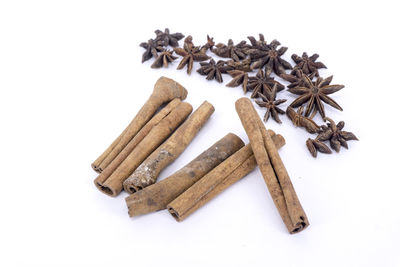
column 221, row 177
column 146, row 174
column 272, row 168
column 111, row 182
column 164, row 91
column 156, row 197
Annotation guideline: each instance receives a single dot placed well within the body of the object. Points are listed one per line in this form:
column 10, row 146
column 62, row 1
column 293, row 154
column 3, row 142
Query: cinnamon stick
column 221, row 177
column 156, row 197
column 147, row 173
column 164, row 91
column 110, row 183
column 272, row 168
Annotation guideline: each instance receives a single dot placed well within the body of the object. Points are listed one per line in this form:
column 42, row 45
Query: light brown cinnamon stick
column 156, row 197
column 147, row 173
column 140, row 136
column 272, row 168
column 164, row 91
column 221, row 177
column 112, row 184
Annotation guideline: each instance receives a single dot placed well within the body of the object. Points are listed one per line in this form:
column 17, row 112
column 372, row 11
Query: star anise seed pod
column 152, row 48
column 243, row 65
column 269, row 101
column 239, row 78
column 270, row 57
column 262, row 82
column 235, row 52
column 315, row 145
column 167, row 38
column 190, row 53
column 296, row 78
column 213, row 70
column 260, row 44
column 210, row 44
column 314, row 93
column 333, row 132
column 300, row 121
column 307, row 64
column 163, row 59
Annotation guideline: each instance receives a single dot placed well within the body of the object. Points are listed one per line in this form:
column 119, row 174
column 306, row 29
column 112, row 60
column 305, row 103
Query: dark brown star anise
column 270, row 57
column 333, row 132
column 210, row 44
column 235, row 52
column 300, row 121
column 315, row 145
column 307, row 64
column 269, row 101
column 314, row 93
column 152, row 48
column 262, row 82
column 163, row 59
column 239, row 78
column 260, row 44
column 213, row 70
column 296, row 78
column 190, row 53
column 167, row 38
column 243, row 65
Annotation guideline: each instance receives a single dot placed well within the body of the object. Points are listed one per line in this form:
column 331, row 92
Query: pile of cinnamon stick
column 161, row 131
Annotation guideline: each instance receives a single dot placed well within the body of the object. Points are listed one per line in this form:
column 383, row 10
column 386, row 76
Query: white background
column 71, row 79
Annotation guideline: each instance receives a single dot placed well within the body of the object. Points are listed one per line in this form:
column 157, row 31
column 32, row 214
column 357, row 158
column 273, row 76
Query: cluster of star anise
column 255, row 66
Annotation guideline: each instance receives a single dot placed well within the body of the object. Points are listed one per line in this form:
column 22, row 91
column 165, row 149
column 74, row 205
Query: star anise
column 333, row 132
column 243, row 65
column 167, row 38
column 235, row 52
column 210, row 44
column 213, row 70
column 239, row 78
column 269, row 101
column 260, row 44
column 190, row 53
column 315, row 145
column 270, row 57
column 152, row 48
column 314, row 93
column 163, row 59
column 296, row 78
column 307, row 64
column 299, row 120
column 262, row 82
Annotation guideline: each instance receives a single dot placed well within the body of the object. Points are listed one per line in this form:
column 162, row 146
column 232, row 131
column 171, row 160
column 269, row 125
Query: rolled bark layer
column 164, row 91
column 272, row 168
column 147, row 173
column 221, row 177
column 156, row 197
column 110, row 183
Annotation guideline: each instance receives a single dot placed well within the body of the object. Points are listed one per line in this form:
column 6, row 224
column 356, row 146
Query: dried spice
column 307, row 64
column 314, row 93
column 260, row 44
column 296, row 78
column 210, row 44
column 213, row 70
column 164, row 59
column 270, row 57
column 262, row 82
column 167, row 38
column 235, row 52
column 152, row 48
column 269, row 101
column 300, row 121
column 190, row 53
column 315, row 145
column 243, row 65
column 333, row 132
column 239, row 78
